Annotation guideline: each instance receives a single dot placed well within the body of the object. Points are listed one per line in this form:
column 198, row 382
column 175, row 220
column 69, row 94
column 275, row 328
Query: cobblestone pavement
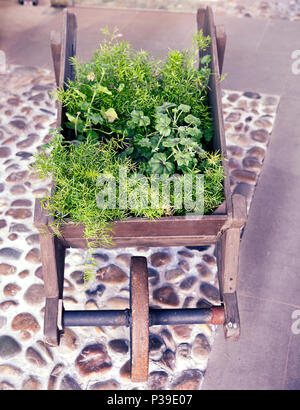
column 273, row 9
column 98, row 358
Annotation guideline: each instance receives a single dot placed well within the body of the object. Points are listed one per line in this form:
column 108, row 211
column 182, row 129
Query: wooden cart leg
column 228, row 248
column 53, row 260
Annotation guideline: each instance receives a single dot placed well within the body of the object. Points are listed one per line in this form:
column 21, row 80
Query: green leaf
column 102, row 89
column 194, row 132
column 162, row 125
column 159, row 164
column 144, row 142
column 110, row 115
column 139, row 119
column 96, row 118
column 184, row 108
column 190, row 119
column 170, row 142
column 206, row 59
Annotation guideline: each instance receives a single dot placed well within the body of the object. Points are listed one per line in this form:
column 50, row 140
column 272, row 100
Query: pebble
column 32, row 383
column 69, row 383
column 210, row 292
column 93, row 359
column 188, row 283
column 260, row 135
column 157, row 380
column 35, row 358
column 10, row 253
column 6, row 269
column 9, row 347
column 174, row 275
column 106, row 385
column 35, row 294
column 242, row 175
column 111, row 274
column 11, row 289
column 166, row 296
column 119, row 345
column 204, row 272
column 201, row 347
column 188, row 380
column 160, row 259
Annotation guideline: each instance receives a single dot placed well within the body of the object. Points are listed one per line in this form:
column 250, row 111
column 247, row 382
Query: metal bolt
column 229, row 324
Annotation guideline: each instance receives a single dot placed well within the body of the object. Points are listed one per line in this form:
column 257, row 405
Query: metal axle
column 213, row 315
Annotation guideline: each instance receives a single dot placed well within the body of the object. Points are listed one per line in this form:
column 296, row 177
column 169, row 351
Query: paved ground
column 258, row 58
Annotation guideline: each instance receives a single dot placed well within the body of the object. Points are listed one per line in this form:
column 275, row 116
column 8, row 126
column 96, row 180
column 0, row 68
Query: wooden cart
column 221, row 228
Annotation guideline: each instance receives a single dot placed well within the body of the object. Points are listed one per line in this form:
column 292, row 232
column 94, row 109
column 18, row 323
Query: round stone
column 11, row 289
column 34, row 357
column 210, row 292
column 34, row 256
column 68, row 383
column 257, row 152
column 168, row 359
column 9, row 347
column 117, row 303
column 188, row 380
column 69, row 340
column 204, row 272
column 33, row 239
column 124, row 259
column 201, row 347
column 188, row 283
column 174, row 275
column 233, row 116
column 111, row 274
column 2, row 223
column 243, row 175
column 4, row 152
column 100, row 257
column 10, row 253
column 160, row 259
column 35, row 294
column 17, row 176
column 21, row 202
column 166, row 296
column 125, row 370
column 6, row 269
column 119, row 345
column 182, row 331
column 185, row 253
column 244, row 189
column 17, row 190
column 156, row 346
column 26, row 324
column 32, row 383
column 252, row 163
column 18, row 125
column 19, row 213
column 210, row 260
column 106, row 385
column 233, row 97
column 260, row 135
column 250, row 94
column 153, row 276
column 93, row 359
column 157, row 380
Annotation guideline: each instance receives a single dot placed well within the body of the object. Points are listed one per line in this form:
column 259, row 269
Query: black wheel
column 21, row 2
column 35, row 3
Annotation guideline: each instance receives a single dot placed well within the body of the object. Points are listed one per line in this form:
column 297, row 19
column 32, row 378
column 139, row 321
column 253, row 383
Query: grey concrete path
column 258, row 58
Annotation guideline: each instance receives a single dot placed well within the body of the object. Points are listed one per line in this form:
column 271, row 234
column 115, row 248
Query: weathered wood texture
column 205, row 22
column 139, row 303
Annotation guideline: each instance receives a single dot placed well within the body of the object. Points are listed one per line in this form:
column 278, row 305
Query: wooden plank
column 68, row 49
column 215, row 100
column 232, row 327
column 221, row 45
column 230, row 259
column 55, row 43
column 239, row 210
column 51, row 331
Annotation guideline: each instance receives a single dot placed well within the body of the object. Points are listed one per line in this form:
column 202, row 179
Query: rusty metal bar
column 213, row 315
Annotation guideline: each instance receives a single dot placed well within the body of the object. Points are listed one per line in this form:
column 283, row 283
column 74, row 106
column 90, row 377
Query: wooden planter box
column 221, row 228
